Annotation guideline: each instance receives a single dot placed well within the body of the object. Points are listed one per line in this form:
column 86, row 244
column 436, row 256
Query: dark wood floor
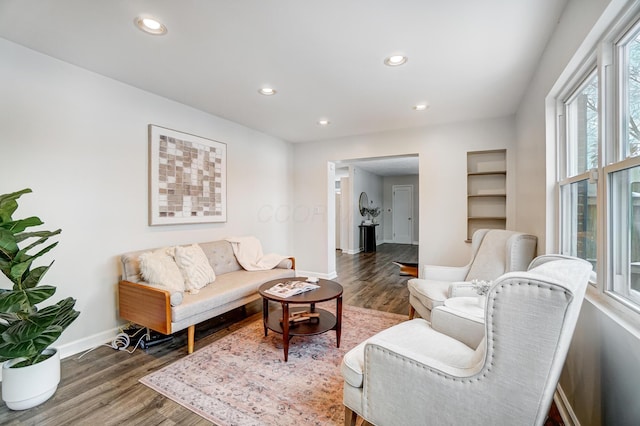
column 102, row 387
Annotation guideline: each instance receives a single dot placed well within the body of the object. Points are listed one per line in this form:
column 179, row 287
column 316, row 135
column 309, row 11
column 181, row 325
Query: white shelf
column 486, row 190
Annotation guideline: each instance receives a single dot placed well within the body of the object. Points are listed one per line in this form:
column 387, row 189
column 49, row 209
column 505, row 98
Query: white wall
column 370, row 184
column 600, row 377
column 79, row 140
column 442, row 202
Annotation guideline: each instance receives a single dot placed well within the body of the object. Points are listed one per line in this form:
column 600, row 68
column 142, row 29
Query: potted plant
column 374, row 212
column 31, row 372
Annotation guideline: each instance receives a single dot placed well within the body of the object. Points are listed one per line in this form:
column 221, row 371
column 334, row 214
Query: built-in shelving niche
column 486, row 190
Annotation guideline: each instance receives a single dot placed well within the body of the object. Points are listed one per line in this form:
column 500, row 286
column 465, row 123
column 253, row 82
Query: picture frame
column 187, row 178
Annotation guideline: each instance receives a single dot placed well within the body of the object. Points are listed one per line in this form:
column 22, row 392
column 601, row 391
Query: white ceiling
column 468, row 59
column 385, row 166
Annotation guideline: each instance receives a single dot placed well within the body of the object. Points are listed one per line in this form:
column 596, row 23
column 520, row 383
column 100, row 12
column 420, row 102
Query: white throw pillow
column 158, row 268
column 195, row 267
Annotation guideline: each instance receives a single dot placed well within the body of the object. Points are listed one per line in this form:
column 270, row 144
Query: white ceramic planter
column 26, row 387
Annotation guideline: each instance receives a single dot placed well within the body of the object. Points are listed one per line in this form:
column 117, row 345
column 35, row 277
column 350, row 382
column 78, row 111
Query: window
column 578, row 190
column 579, row 210
column 599, row 166
column 623, row 175
column 582, row 125
column 629, row 59
column 625, row 232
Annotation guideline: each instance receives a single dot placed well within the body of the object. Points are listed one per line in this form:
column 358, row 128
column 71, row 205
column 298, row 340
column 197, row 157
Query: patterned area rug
column 243, row 380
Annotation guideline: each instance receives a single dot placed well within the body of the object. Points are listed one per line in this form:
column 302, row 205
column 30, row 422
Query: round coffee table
column 319, row 321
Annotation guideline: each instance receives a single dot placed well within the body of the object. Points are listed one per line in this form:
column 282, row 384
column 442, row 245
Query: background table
column 368, row 237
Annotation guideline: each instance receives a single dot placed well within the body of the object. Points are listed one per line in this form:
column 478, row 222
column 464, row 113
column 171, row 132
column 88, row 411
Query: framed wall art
column 187, row 178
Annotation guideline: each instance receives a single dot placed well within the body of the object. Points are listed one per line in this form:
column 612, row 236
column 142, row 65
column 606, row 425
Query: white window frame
column 603, row 56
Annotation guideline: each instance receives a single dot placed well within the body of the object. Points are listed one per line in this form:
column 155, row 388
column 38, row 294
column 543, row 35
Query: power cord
column 121, row 342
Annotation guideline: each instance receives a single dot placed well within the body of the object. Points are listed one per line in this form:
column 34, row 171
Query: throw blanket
column 248, row 251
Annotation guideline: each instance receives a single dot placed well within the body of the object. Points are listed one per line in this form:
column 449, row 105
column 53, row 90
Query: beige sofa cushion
column 221, row 257
column 159, row 269
column 194, row 266
column 227, row 288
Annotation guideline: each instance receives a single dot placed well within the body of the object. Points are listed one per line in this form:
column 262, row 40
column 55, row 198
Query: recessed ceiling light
column 267, row 91
column 150, row 25
column 324, row 122
column 395, row 60
column 421, row 107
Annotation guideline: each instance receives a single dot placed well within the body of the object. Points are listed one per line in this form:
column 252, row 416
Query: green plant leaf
column 22, row 261
column 8, row 244
column 11, row 350
column 45, row 322
column 46, row 338
column 9, row 317
column 35, row 276
column 4, row 198
column 24, row 235
column 8, row 204
column 18, row 270
column 15, row 301
column 22, row 224
column 65, row 314
column 6, row 211
column 39, row 294
column 23, row 331
column 23, row 254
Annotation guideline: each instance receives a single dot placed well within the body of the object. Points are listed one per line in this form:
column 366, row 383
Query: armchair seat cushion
column 431, row 293
column 414, row 337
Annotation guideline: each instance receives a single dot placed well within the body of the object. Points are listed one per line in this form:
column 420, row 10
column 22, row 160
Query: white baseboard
column 70, row 349
column 351, row 251
column 328, row 276
column 413, row 243
column 564, row 408
column 81, row 345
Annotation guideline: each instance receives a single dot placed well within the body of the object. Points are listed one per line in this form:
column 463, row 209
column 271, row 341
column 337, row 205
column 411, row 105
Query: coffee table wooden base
column 325, row 321
column 273, row 321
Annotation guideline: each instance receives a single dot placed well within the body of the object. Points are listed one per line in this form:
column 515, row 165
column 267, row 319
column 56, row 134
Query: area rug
column 242, row 378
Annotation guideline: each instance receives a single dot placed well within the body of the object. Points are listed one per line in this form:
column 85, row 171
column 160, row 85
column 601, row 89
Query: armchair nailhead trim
column 489, row 355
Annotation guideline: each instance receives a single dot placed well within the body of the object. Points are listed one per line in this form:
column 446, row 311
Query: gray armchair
column 414, row 374
column 493, row 252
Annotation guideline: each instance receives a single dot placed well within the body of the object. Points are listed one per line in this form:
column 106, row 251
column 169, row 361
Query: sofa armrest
column 288, row 263
column 145, row 305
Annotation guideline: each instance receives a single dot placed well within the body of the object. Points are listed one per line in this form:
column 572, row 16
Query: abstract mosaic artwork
column 187, row 178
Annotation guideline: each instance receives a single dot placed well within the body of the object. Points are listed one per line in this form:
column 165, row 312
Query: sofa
column 167, row 310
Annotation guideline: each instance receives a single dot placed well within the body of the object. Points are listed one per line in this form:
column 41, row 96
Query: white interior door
column 402, row 212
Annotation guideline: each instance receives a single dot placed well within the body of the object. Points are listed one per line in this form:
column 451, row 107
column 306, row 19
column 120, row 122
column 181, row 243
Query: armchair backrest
column 498, row 251
column 529, row 321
